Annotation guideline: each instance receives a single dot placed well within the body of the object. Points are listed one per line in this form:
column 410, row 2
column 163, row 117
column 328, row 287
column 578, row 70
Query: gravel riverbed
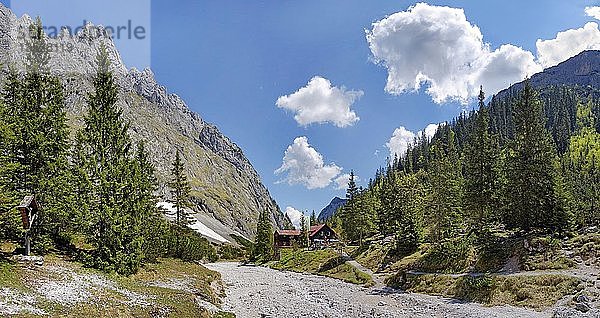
column 263, row 292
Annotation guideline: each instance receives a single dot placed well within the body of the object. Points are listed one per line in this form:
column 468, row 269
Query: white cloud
column 304, row 165
column 342, row 181
column 438, row 46
column 295, row 216
column 430, row 130
column 505, row 66
column 568, row 44
column 320, row 102
column 403, row 138
column 593, row 12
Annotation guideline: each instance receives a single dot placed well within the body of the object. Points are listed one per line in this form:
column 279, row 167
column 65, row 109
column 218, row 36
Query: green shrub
column 454, row 256
column 537, row 292
column 231, row 252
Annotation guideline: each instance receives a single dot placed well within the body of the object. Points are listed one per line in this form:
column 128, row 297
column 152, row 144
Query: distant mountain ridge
column 582, row 70
column 226, row 190
column 331, row 209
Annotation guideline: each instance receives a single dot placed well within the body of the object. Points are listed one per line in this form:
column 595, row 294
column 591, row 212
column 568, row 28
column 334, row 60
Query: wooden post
column 29, row 209
column 27, row 244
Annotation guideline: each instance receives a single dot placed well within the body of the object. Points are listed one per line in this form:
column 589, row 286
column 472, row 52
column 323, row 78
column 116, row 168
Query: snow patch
column 195, row 225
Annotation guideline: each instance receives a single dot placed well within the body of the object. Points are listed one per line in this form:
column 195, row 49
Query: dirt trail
column 263, row 292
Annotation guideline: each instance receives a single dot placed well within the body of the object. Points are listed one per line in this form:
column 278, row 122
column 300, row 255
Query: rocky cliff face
column 225, row 187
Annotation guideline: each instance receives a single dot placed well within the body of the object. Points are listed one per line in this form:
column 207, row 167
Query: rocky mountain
column 331, row 208
column 227, row 191
column 582, row 70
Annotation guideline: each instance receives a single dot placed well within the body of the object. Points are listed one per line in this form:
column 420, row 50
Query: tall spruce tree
column 444, row 199
column 36, row 150
column 116, row 196
column 530, row 196
column 304, row 229
column 263, row 247
column 180, row 191
column 313, row 218
column 367, row 204
column 9, row 220
column 481, row 170
column 401, row 198
column 582, row 167
column 146, row 218
column 349, row 215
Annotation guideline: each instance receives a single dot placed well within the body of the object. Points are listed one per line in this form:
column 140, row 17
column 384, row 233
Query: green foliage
column 530, row 198
column 115, row 184
column 180, row 190
column 188, row 245
column 358, row 216
column 321, row 262
column 452, row 256
column 544, row 253
column 444, row 198
column 493, row 252
column 263, row 247
column 581, row 168
column 401, row 209
column 303, row 241
column 537, row 292
column 232, row 252
column 482, row 171
column 34, row 143
column 313, row 218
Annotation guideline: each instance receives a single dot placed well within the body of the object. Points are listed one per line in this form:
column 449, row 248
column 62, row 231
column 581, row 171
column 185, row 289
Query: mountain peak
column 580, row 70
column 226, row 190
column 331, row 208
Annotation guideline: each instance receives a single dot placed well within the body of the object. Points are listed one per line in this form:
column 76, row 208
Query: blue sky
column 232, row 60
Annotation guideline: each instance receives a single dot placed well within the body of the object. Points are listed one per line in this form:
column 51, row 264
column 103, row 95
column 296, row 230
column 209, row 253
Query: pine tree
column 146, row 220
column 9, row 220
column 36, row 152
column 530, row 169
column 263, row 247
column 366, row 215
column 359, row 214
column 116, row 193
column 350, row 210
column 180, row 190
column 304, row 228
column 401, row 198
column 444, row 199
column 313, row 218
column 581, row 167
column 481, row 171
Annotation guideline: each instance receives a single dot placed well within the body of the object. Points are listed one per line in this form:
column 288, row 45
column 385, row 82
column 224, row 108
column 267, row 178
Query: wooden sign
column 28, row 209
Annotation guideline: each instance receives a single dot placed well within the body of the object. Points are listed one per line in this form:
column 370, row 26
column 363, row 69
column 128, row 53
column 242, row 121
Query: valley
column 255, row 292
column 120, row 199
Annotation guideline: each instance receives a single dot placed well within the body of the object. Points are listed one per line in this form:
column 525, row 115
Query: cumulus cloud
column 568, row 44
column 593, row 12
column 430, row 130
column 295, row 216
column 303, row 165
column 403, row 138
column 499, row 69
column 320, row 102
column 342, row 181
column 437, row 46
